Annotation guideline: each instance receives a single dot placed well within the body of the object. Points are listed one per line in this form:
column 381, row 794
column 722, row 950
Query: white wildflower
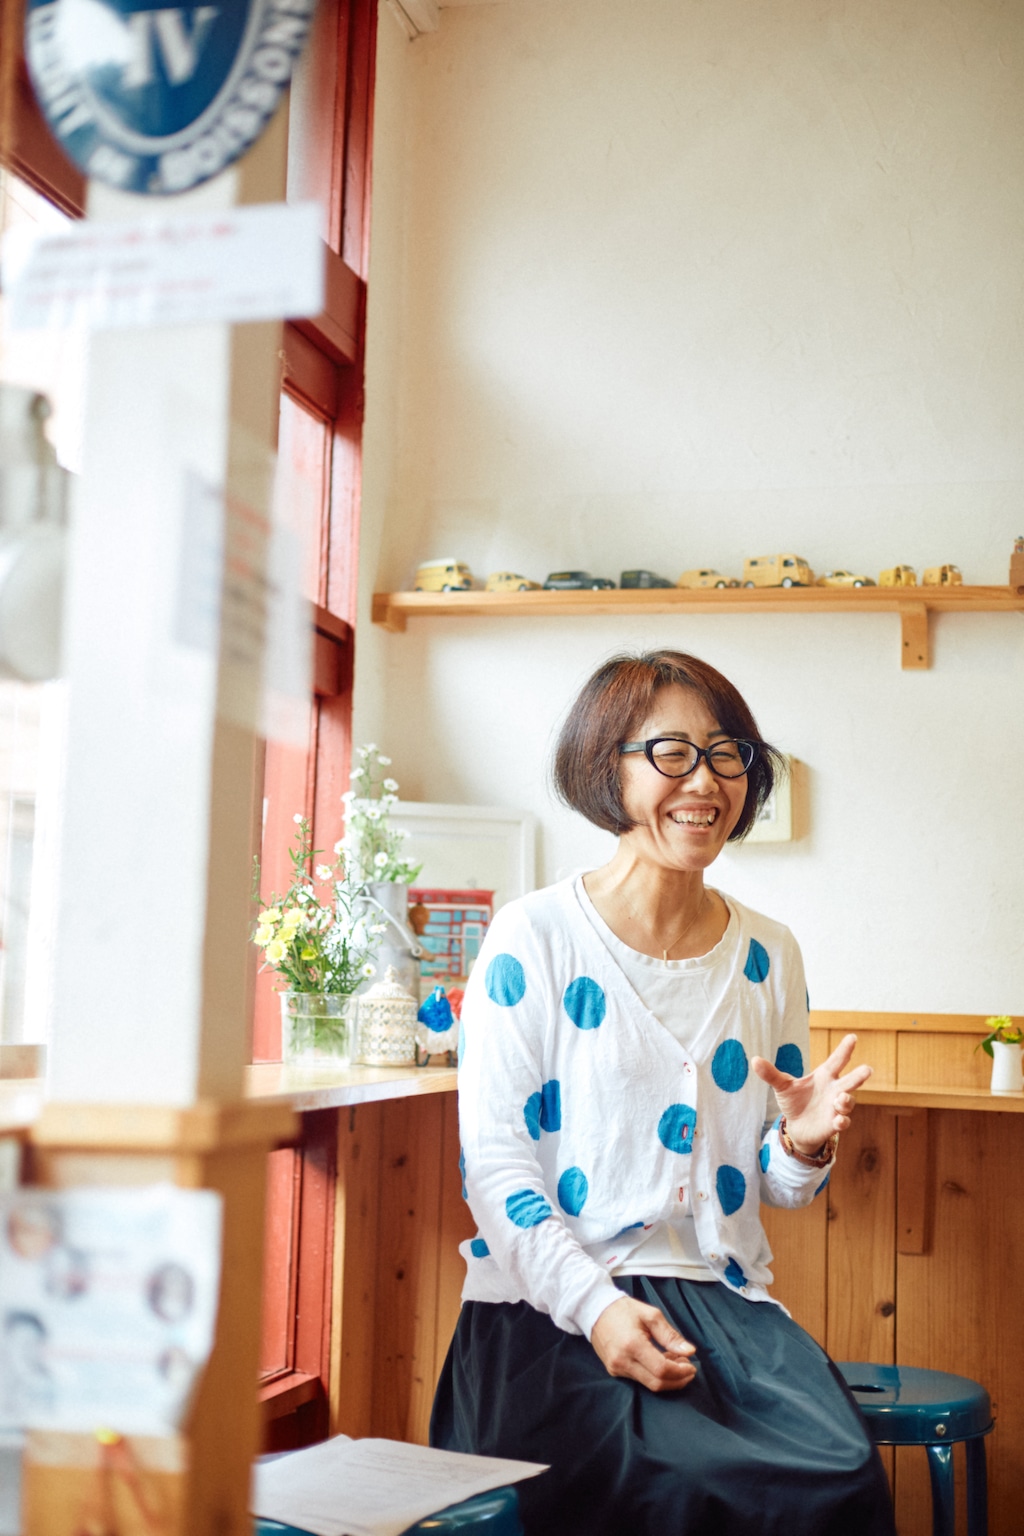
column 348, row 796
column 373, row 813
column 371, row 746
column 369, row 970
column 380, row 859
column 391, row 785
column 324, row 871
column 339, row 845
column 378, row 927
column 356, row 773
column 298, row 817
column 385, row 762
column 303, row 894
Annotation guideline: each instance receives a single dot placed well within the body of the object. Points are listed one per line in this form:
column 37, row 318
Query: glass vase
column 316, row 1029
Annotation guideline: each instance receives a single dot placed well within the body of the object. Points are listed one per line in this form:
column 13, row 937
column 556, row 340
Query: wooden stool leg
column 940, row 1467
column 977, row 1488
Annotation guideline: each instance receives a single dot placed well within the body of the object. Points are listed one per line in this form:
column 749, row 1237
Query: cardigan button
column 701, row 1194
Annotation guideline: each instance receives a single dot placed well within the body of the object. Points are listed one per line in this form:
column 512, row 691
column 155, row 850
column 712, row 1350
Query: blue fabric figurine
column 438, row 1027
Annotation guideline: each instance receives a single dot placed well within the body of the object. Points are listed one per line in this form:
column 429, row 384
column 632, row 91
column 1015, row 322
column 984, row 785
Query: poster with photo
column 108, row 1303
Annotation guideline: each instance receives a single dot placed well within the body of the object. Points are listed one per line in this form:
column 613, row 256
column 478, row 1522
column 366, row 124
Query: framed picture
column 469, row 848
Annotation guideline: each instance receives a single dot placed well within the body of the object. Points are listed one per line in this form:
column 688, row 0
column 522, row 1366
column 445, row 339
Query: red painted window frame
column 323, row 373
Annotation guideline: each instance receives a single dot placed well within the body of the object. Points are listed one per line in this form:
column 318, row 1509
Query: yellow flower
column 276, row 950
column 308, row 954
column 263, row 936
column 270, row 915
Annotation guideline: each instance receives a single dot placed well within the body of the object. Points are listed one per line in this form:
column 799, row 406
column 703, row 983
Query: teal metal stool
column 907, row 1406
column 491, row 1514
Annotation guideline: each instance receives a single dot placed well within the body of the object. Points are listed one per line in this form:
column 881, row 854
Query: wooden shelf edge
column 204, row 1127
column 913, row 605
column 923, row 1096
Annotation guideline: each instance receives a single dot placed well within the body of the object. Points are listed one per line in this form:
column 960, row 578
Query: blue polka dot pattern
column 788, row 1058
column 551, row 1106
column 824, row 1182
column 731, row 1187
column 675, row 1128
column 584, row 1003
column 631, row 1228
column 764, row 1157
column 729, row 1066
column 462, row 1170
column 526, row 1208
column 776, row 1122
column 758, row 964
column 573, row 1190
column 478, row 1248
column 734, row 1274
column 505, row 981
column 543, row 1110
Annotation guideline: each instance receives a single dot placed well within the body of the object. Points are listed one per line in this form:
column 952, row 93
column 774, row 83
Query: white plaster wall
column 670, row 283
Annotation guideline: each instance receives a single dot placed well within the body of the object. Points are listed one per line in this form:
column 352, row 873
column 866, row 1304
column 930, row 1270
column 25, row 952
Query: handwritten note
column 263, row 262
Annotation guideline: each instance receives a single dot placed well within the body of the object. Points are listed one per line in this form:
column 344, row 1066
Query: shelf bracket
column 384, row 613
column 915, row 651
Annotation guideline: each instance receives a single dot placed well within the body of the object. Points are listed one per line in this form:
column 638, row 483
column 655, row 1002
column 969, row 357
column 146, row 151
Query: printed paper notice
column 349, row 1487
column 108, row 1300
column 264, row 262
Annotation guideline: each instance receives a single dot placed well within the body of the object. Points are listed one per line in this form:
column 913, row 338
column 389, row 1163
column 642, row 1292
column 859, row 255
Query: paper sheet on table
column 346, row 1487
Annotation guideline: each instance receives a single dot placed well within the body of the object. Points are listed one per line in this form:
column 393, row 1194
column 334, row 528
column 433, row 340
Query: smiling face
column 683, row 824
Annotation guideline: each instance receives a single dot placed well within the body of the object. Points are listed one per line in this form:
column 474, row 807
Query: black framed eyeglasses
column 728, row 759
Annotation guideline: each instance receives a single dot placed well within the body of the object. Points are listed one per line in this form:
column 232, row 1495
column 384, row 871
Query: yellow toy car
column 843, row 579
column 942, row 576
column 510, row 581
column 777, row 571
column 709, row 578
column 443, row 576
column 898, row 576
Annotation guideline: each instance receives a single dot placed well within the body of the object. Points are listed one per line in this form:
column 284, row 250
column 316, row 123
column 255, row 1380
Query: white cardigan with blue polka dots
column 583, row 1120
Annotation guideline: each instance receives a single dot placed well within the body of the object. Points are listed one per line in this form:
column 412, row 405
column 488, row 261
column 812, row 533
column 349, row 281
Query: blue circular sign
column 158, row 100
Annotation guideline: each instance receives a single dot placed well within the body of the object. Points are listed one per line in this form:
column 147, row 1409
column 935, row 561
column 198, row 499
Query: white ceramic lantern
column 387, row 1025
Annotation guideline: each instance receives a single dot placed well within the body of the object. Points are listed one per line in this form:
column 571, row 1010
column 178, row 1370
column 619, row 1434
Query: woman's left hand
column 817, row 1105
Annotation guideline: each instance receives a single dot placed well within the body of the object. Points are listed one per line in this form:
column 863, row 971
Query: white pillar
column 152, row 933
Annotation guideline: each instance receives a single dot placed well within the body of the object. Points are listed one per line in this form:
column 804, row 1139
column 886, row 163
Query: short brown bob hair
column 610, row 708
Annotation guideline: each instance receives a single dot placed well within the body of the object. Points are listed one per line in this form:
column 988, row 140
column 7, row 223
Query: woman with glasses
column 634, row 1083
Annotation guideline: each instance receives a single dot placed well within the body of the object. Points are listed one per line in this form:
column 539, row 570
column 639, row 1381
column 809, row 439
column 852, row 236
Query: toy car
column 709, row 578
column 510, row 581
column 844, row 579
column 942, row 576
column 443, row 576
column 642, row 579
column 777, row 571
column 570, row 581
column 898, row 576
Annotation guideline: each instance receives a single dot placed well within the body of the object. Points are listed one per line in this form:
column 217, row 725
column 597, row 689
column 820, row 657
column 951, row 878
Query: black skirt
column 766, row 1441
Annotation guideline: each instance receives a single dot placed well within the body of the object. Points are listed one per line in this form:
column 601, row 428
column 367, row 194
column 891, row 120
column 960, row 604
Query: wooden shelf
column 393, row 610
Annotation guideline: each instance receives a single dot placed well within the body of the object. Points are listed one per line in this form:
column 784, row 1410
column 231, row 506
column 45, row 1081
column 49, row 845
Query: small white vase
column 1007, row 1073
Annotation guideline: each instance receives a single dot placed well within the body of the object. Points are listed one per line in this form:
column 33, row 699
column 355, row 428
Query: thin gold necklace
column 679, row 936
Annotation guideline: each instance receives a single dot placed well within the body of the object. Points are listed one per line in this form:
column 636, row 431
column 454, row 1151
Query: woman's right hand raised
column 635, row 1340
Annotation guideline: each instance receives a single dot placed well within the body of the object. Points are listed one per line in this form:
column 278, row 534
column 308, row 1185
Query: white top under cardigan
column 581, row 1116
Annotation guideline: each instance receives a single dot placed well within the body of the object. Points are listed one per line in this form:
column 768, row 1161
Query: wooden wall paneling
column 958, row 1302
column 914, row 1187
column 355, row 1274
column 406, row 1318
column 457, row 1225
column 878, row 1048
column 942, row 1058
column 862, row 1241
column 800, row 1265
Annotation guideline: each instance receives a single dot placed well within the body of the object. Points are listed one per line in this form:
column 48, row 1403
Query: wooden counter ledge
column 321, row 1088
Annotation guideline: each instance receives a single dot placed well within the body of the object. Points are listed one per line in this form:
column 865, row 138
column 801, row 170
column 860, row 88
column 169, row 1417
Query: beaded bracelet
column 819, row 1159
